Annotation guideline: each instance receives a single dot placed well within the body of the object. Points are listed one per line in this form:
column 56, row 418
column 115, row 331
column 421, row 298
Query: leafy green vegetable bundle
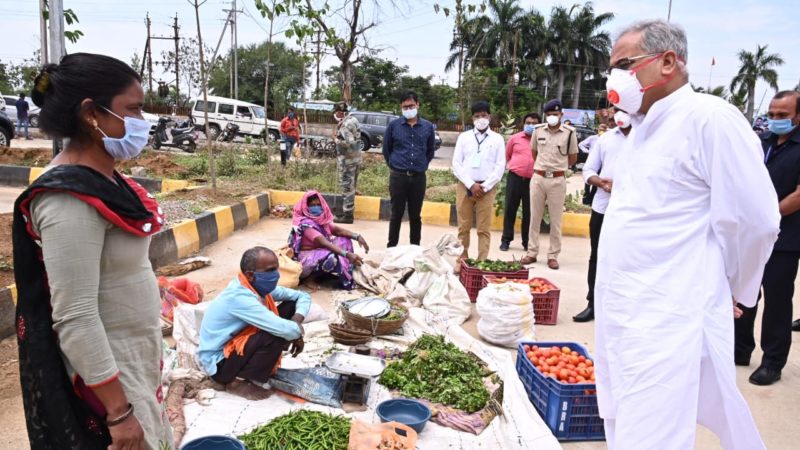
column 300, row 430
column 438, row 371
column 490, row 265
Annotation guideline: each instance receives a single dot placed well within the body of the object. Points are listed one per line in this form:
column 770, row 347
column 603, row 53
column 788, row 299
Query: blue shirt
column 22, row 109
column 235, row 308
column 409, row 148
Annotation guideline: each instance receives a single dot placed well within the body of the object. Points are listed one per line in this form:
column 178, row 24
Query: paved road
column 7, row 197
column 442, row 159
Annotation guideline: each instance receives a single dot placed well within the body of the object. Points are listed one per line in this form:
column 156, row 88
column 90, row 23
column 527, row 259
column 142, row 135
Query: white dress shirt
column 588, row 144
column 601, row 163
column 479, row 157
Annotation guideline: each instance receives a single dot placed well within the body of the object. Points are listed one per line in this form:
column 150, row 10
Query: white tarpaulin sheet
column 520, row 426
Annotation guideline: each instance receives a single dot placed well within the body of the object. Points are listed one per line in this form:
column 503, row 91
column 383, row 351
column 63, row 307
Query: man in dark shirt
column 22, row 116
column 782, row 156
column 408, row 147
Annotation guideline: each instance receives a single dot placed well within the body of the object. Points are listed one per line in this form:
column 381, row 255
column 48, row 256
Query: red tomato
column 572, row 380
column 589, row 363
column 526, row 348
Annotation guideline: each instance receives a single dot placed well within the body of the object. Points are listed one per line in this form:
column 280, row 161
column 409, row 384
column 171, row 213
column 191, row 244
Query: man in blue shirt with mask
column 781, row 146
column 245, row 331
column 408, row 147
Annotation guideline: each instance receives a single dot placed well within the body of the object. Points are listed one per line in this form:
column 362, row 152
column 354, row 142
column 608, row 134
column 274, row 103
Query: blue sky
column 415, row 36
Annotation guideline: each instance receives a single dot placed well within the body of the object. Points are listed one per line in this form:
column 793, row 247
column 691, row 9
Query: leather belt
column 407, row 173
column 550, row 173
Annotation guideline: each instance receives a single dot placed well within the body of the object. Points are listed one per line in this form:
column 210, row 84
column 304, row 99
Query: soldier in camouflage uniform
column 348, row 156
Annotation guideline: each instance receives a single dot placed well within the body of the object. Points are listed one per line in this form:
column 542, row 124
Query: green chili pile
column 490, row 265
column 438, row 371
column 300, row 430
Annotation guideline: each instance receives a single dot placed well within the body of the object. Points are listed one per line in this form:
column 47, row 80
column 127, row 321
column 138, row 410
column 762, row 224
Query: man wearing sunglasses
column 686, row 234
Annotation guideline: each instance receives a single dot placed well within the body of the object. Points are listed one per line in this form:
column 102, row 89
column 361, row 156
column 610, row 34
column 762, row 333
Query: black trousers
column 406, row 189
column 776, row 326
column 595, row 225
column 260, row 354
column 518, row 190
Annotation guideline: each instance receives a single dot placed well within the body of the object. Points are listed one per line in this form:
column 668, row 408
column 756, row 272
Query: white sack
column 506, row 314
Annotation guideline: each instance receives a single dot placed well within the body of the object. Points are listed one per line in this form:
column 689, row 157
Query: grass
column 257, row 169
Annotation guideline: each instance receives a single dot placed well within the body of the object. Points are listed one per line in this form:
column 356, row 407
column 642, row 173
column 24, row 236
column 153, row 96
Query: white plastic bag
column 506, row 314
column 186, row 333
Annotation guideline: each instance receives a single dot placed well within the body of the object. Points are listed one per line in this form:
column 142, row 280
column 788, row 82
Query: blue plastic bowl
column 214, row 443
column 408, row 412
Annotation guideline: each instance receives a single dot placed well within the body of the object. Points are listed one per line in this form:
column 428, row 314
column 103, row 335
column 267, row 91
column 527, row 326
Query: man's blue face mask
column 266, row 282
column 780, row 126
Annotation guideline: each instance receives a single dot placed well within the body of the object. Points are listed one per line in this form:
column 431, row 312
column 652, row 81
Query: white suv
column 222, row 110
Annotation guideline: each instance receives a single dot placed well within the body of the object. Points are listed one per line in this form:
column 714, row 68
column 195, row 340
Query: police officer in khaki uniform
column 555, row 148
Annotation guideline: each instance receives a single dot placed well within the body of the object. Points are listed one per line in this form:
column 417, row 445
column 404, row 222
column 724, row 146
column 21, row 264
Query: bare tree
column 212, row 166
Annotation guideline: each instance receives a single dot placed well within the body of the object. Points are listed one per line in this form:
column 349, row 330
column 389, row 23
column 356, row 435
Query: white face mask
column 131, row 144
column 624, row 90
column 553, row 120
column 622, row 119
column 410, row 113
column 481, row 124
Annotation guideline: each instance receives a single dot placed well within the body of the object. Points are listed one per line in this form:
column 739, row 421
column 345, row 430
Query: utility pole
column 43, row 32
column 57, row 44
column 669, row 12
column 318, row 56
column 234, row 69
column 232, row 63
column 460, row 87
column 235, row 52
column 513, row 75
column 177, row 60
column 148, row 55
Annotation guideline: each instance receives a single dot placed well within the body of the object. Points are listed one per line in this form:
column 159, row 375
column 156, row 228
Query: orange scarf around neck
column 237, row 343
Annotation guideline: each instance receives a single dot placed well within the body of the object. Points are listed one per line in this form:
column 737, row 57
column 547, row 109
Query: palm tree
column 592, row 46
column 561, row 42
column 719, row 91
column 496, row 39
column 755, row 66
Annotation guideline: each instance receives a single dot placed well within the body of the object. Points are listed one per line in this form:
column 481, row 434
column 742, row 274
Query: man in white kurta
column 689, row 228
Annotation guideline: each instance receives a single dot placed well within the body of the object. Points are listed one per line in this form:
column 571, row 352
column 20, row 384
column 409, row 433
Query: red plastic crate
column 569, row 410
column 545, row 305
column 473, row 281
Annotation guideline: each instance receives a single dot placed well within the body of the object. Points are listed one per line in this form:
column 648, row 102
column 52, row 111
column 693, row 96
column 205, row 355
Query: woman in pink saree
column 323, row 248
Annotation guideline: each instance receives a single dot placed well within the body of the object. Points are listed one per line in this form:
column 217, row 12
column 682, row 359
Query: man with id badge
column 555, row 148
column 479, row 161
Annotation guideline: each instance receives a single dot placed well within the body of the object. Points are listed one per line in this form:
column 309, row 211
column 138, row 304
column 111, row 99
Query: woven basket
column 375, row 326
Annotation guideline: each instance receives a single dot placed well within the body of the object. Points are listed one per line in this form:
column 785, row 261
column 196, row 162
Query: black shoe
column 765, row 376
column 504, row 246
column 796, row 325
column 587, row 315
column 344, row 218
column 741, row 360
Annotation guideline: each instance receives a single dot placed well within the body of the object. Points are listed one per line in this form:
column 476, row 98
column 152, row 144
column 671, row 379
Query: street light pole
column 669, row 12
column 57, row 44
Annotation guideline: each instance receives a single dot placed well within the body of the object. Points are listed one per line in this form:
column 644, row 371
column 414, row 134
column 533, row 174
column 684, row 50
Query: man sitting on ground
column 243, row 332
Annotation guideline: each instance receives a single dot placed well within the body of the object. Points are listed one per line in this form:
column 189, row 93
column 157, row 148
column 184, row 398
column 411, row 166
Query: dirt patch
column 6, row 251
column 158, row 165
column 9, row 368
column 36, row 157
column 187, row 204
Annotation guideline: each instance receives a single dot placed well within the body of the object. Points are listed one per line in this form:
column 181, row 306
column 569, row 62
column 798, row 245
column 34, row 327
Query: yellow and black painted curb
column 174, row 243
column 433, row 213
column 21, row 176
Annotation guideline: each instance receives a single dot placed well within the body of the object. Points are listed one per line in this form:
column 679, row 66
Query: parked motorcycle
column 181, row 135
column 228, row 133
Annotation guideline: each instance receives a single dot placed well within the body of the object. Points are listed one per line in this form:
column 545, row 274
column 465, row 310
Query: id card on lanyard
column 476, row 157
